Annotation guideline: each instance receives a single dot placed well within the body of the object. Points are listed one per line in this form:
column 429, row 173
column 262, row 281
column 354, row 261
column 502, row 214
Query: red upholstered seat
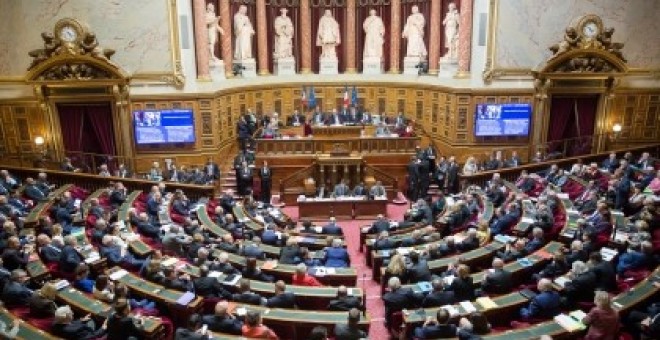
column 396, row 324
column 176, row 218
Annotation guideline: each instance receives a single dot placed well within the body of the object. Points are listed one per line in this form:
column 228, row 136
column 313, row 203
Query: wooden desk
column 160, row 294
column 25, row 330
column 551, row 328
column 370, row 209
column 284, row 272
column 40, row 209
column 323, row 210
column 312, row 146
column 153, row 328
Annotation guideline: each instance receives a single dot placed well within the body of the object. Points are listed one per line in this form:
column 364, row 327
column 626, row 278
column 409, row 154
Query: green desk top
column 40, row 208
column 302, row 316
column 286, row 269
column 636, row 295
column 36, row 268
column 122, row 214
column 98, row 308
column 535, row 331
column 25, row 330
column 151, row 289
column 84, row 207
column 502, row 301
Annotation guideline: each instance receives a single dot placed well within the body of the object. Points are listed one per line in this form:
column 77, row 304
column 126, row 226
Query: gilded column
column 262, row 38
column 306, row 37
column 350, row 36
column 465, row 39
column 202, row 53
column 225, row 23
column 434, row 37
column 395, row 34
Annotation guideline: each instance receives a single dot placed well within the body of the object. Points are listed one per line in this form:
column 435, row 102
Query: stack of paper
column 561, row 281
column 449, row 279
column 525, row 262
column 451, row 309
column 608, row 253
column 61, row 284
column 486, row 302
column 468, row 306
column 270, row 264
column 578, row 315
column 170, row 262
column 568, row 323
column 118, row 275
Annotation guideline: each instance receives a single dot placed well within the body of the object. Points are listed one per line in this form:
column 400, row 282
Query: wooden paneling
column 639, row 115
column 20, row 123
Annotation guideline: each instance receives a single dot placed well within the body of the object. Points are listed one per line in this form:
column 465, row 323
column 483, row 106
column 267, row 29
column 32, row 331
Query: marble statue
column 451, row 22
column 213, row 27
column 244, row 31
column 374, row 35
column 283, row 36
column 328, row 36
column 414, row 32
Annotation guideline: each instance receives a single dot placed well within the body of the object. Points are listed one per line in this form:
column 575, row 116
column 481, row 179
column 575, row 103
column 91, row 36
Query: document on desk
column 486, row 302
column 185, row 299
column 117, row 275
column 451, row 310
column 468, row 306
column 562, row 281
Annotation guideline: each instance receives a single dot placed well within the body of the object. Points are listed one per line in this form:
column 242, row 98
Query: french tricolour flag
column 346, row 100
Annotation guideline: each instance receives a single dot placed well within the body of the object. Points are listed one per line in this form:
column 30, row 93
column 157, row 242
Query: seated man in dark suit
column 147, row 229
column 209, row 287
column 282, row 298
column 512, row 253
column 383, row 242
column 48, row 252
column 536, row 242
column 437, row 328
column 33, row 192
column 497, row 280
column 69, row 258
column 526, row 184
column 398, row 298
column 66, row 327
column 244, row 294
column 419, row 271
column 438, row 296
column 604, row 272
column 221, row 321
column 344, row 302
column 503, row 221
column 177, row 282
column 253, row 249
column 470, row 242
column 544, row 305
column 380, row 224
column 582, row 284
column 153, row 206
column 350, row 330
column 15, row 293
column 332, row 228
column 118, row 195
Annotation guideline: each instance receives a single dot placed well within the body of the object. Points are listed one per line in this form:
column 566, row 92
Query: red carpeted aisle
column 372, row 289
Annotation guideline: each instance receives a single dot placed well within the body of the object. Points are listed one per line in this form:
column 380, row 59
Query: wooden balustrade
column 312, row 146
column 511, row 174
column 93, row 182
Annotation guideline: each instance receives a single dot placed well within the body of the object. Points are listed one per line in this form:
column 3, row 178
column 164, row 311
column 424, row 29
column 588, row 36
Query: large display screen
column 502, row 120
column 164, row 126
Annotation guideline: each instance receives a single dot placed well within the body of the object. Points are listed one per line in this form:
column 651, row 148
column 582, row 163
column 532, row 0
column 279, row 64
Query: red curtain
column 383, row 11
column 572, row 118
column 87, row 128
column 71, row 123
column 272, row 12
column 338, row 8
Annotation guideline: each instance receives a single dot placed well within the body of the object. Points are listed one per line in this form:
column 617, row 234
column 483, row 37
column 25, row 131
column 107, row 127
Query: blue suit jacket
column 503, row 223
column 69, row 259
column 331, row 229
column 336, row 257
column 544, row 305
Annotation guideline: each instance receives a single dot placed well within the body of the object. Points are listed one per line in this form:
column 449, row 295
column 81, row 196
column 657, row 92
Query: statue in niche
column 375, row 35
column 213, row 28
column 283, row 36
column 328, row 36
column 451, row 22
column 413, row 31
column 244, row 32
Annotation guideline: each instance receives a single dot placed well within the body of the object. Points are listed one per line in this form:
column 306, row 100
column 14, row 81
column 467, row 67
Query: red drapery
column 338, row 9
column 87, row 128
column 383, row 11
column 272, row 12
column 572, row 118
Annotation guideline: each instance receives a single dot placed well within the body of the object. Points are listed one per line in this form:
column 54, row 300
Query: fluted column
column 395, row 34
column 434, row 37
column 225, row 23
column 465, row 39
column 202, row 54
column 306, row 37
column 351, row 8
column 262, row 38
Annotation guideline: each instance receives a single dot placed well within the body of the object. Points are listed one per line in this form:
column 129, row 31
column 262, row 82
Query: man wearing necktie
column 266, row 182
column 377, row 190
column 246, row 179
column 341, row 189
